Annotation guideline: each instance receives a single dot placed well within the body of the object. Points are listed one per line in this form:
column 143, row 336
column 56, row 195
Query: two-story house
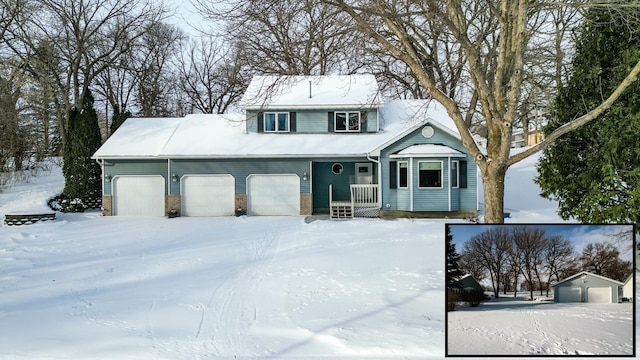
column 305, row 145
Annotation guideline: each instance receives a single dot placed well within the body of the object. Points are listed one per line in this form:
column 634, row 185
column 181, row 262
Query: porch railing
column 364, row 202
column 364, row 195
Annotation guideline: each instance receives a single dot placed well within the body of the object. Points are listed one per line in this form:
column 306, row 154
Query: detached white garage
column 208, row 195
column 138, row 195
column 586, row 287
column 273, row 194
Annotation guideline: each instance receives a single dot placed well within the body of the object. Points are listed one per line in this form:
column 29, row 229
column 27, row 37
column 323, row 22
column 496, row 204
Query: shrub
column 474, row 298
column 452, row 300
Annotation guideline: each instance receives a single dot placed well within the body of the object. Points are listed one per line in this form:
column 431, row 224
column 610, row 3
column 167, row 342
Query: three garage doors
column 207, row 195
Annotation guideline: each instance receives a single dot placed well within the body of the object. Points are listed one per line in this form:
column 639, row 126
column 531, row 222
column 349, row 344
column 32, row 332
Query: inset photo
column 540, row 290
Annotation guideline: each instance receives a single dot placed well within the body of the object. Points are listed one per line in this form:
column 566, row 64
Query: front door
column 364, row 173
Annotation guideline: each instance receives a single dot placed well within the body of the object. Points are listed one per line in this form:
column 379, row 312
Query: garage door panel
column 138, row 195
column 599, row 295
column 273, row 194
column 208, row 195
column 569, row 294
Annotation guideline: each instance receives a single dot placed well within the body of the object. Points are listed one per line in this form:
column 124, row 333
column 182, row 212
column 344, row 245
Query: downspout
column 411, row 183
column 449, row 182
column 168, row 176
column 101, row 163
column 379, row 179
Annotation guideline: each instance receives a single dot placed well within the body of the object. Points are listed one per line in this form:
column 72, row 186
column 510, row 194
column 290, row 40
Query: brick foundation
column 306, row 204
column 172, row 202
column 241, row 202
column 107, row 207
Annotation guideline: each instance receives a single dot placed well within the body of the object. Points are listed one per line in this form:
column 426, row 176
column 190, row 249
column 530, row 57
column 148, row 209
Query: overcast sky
column 579, row 235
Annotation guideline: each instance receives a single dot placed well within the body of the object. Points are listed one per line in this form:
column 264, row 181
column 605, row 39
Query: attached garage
column 138, row 195
column 586, row 287
column 273, row 194
column 207, row 195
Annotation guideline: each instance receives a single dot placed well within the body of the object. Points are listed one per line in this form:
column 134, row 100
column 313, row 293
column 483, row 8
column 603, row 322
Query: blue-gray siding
column 426, row 199
column 312, row 121
column 114, row 168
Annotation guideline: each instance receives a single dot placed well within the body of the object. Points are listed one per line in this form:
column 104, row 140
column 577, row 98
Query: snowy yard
column 520, row 327
column 93, row 287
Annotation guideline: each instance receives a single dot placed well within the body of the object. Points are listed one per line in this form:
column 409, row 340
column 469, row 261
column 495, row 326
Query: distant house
column 304, row 145
column 628, row 287
column 469, row 283
column 586, row 287
column 519, row 140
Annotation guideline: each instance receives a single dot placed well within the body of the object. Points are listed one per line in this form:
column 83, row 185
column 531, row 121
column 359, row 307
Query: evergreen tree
column 453, row 270
column 81, row 173
column 594, row 172
column 117, row 119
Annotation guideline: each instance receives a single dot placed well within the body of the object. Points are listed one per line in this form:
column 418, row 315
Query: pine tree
column 453, row 270
column 594, row 172
column 81, row 173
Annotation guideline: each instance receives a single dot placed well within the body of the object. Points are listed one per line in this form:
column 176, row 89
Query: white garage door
column 208, row 195
column 273, row 194
column 138, row 195
column 599, row 295
column 569, row 294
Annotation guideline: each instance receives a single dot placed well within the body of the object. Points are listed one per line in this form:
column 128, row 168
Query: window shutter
column 260, row 120
column 330, row 124
column 292, row 122
column 393, row 174
column 462, row 171
column 363, row 121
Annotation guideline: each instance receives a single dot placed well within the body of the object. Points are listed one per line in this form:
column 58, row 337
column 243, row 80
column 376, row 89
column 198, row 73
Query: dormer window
column 276, row 122
column 347, row 121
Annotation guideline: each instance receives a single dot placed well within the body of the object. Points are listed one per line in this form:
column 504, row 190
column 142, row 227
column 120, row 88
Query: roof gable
column 311, row 92
column 587, row 274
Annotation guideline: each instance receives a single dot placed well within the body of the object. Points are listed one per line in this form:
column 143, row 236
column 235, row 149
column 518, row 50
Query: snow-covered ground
column 511, row 326
column 93, row 287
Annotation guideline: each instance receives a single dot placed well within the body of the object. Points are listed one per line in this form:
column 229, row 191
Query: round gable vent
column 337, row 168
column 427, row 131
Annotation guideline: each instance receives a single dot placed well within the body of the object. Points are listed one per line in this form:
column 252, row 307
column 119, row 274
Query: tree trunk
column 493, row 185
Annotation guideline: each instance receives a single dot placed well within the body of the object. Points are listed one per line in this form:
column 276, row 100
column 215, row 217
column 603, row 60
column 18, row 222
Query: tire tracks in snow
column 232, row 309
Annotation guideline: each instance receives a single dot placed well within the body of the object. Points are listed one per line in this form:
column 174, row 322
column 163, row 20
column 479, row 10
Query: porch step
column 341, row 211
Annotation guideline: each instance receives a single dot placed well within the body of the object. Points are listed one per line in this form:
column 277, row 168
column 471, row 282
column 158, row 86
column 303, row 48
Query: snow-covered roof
column 225, row 136
column 429, row 150
column 309, row 92
column 586, row 273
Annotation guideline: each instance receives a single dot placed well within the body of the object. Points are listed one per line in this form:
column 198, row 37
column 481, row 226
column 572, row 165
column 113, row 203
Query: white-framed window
column 347, row 121
column 455, row 173
column 430, row 174
column 276, row 122
column 403, row 174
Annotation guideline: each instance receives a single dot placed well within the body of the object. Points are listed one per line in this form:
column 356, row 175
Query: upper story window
column 276, row 122
column 347, row 121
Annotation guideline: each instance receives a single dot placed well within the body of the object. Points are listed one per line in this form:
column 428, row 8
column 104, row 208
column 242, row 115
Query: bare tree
column 490, row 248
column 558, row 255
column 604, row 259
column 288, row 37
column 493, row 41
column 83, row 38
column 529, row 243
column 155, row 59
column 212, row 77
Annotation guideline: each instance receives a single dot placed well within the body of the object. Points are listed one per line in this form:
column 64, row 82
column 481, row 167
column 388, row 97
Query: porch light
column 305, row 177
column 174, row 177
column 107, row 178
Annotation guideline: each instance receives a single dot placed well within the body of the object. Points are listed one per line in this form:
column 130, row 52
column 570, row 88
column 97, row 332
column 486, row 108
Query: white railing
column 364, row 195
